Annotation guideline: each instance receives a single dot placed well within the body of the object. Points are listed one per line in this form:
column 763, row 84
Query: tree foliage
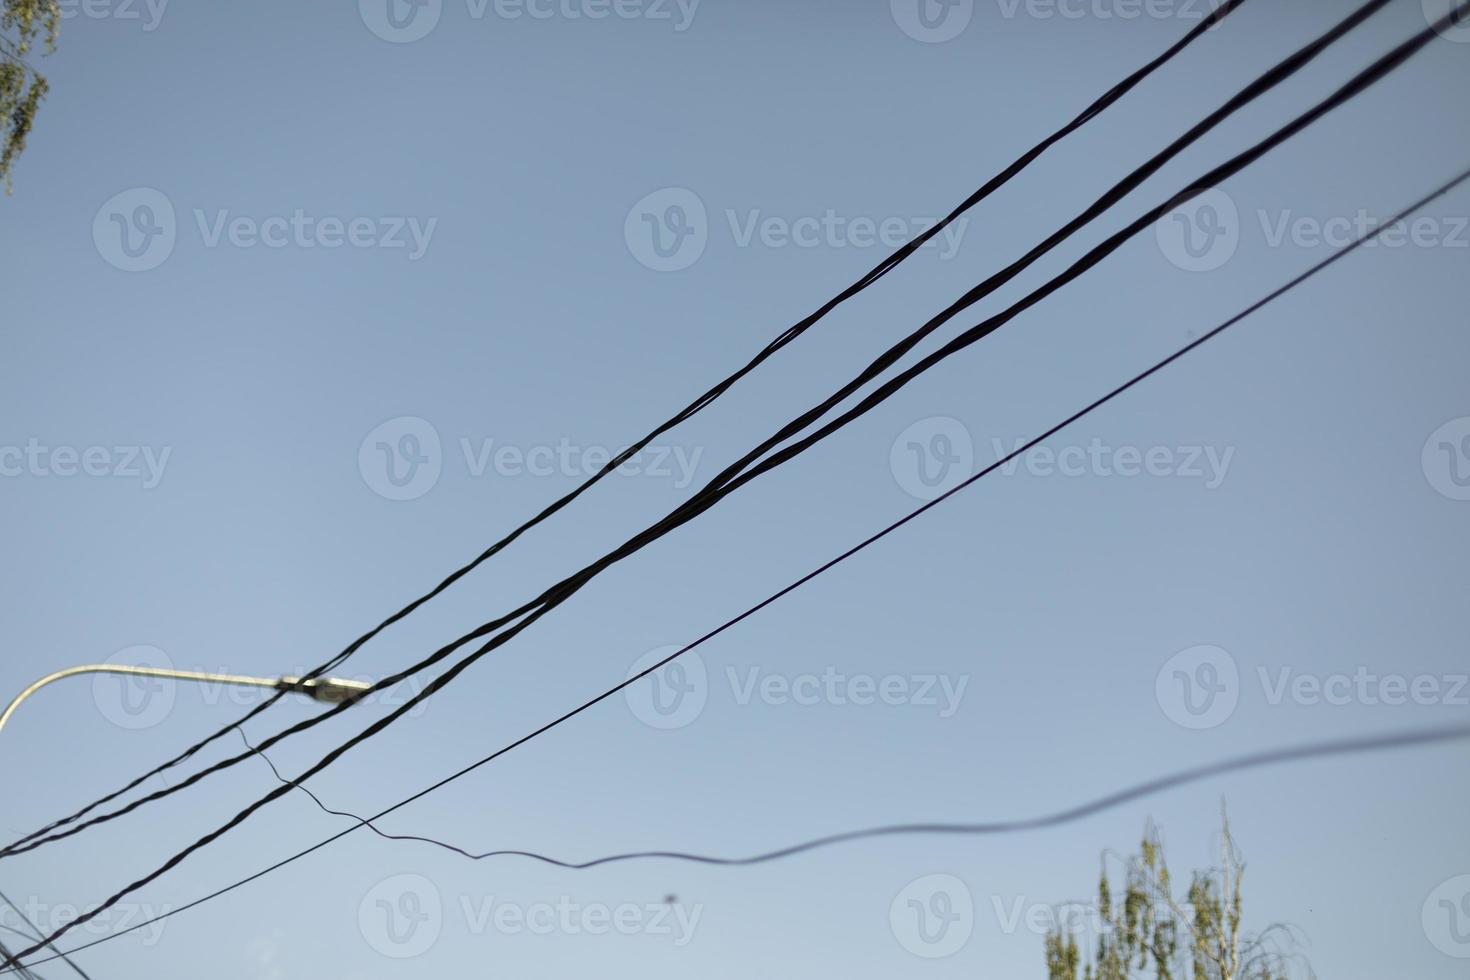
column 1148, row 932
column 23, row 25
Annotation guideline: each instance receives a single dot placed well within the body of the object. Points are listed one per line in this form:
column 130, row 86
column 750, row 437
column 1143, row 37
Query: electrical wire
column 731, row 479
column 1405, row 739
column 1107, row 99
column 1254, row 760
column 37, row 934
column 1358, row 84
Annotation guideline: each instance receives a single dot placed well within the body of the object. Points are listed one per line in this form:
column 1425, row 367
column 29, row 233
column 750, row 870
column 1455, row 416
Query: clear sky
column 258, row 251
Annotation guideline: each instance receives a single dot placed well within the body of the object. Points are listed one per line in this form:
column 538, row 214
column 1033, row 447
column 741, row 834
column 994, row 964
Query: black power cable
column 1419, row 737
column 1314, row 750
column 729, row 480
column 33, row 932
column 1365, row 79
column 883, row 268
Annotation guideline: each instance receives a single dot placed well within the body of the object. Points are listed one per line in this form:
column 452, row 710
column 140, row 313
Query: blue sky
column 348, row 245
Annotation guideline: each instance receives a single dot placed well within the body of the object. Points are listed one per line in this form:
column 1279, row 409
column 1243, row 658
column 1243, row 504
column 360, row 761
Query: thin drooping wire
column 35, row 933
column 731, row 479
column 1364, row 80
column 878, row 272
column 1253, row 760
column 1366, row 743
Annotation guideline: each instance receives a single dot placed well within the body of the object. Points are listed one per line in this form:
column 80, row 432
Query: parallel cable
column 35, row 933
column 731, row 478
column 792, row 333
column 1408, row 739
column 1361, row 82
